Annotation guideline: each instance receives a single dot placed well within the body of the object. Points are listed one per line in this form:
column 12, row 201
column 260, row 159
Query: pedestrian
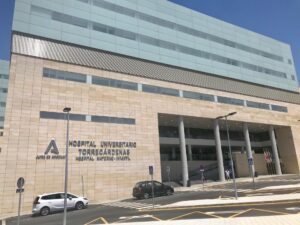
column 227, row 174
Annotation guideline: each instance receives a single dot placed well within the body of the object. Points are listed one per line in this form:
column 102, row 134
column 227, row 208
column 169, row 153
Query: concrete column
column 248, row 148
column 219, row 151
column 185, row 172
column 190, row 154
column 275, row 150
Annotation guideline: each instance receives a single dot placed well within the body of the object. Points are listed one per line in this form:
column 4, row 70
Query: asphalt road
column 132, row 210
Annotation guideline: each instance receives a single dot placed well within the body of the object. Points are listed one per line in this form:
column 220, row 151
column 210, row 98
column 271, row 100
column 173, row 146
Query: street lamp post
column 66, row 110
column 230, row 152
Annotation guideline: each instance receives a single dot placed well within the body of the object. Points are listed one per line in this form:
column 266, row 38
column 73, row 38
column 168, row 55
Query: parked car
column 53, row 202
column 143, row 189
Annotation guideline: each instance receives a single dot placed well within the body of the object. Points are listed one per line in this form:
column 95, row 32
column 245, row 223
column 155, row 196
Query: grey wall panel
column 63, row 52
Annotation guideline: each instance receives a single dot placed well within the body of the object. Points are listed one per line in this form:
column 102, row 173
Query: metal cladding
column 62, row 52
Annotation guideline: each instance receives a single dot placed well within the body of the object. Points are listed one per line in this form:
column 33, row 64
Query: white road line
column 131, row 205
column 293, row 208
column 224, row 212
column 259, row 194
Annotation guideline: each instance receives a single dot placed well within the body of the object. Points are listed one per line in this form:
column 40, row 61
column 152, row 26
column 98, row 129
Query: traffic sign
column 20, row 182
column 19, row 190
column 250, row 161
column 151, row 169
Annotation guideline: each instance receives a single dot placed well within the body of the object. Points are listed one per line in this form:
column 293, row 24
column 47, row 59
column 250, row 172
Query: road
column 132, row 210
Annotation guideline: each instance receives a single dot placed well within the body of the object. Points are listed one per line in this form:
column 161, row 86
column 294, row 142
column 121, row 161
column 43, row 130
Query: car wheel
column 79, row 205
column 168, row 192
column 45, row 211
column 146, row 196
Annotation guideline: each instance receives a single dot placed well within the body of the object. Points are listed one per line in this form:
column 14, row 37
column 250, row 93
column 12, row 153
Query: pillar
column 248, row 149
column 275, row 150
column 219, row 151
column 185, row 173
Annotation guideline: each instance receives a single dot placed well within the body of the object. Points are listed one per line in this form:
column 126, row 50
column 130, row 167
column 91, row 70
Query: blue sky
column 279, row 19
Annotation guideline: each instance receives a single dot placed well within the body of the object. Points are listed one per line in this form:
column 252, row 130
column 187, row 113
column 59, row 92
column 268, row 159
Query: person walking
column 227, row 174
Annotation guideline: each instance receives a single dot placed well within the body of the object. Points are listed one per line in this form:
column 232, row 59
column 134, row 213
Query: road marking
column 124, row 218
column 259, row 194
column 293, row 208
column 99, row 218
column 195, row 212
column 271, row 211
column 219, row 206
column 131, row 205
column 3, row 222
column 224, row 212
column 134, row 217
column 240, row 213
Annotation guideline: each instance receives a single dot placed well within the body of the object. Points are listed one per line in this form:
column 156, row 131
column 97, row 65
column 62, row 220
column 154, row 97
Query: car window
column 149, row 184
column 46, row 197
column 71, row 196
column 157, row 184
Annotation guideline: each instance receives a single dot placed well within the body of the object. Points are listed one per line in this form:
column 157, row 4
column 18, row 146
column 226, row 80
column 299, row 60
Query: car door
column 55, row 201
column 71, row 200
column 158, row 188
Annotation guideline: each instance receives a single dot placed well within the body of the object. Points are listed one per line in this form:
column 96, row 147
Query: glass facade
column 4, row 75
column 163, row 32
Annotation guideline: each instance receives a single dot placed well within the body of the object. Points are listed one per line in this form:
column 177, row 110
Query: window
column 117, row 120
column 1, row 118
column 198, row 96
column 61, row 116
column 160, row 90
column 114, row 83
column 257, row 105
column 64, row 75
column 231, row 101
column 2, row 104
column 3, row 90
column 3, row 76
column 290, row 61
column 279, row 108
column 293, row 77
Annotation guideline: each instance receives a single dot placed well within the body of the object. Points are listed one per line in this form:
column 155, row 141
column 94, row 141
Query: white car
column 52, row 202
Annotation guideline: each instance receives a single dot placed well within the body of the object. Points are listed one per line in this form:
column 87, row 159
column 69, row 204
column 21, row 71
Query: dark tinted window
column 279, row 108
column 114, row 83
column 160, row 90
column 231, row 101
column 258, row 105
column 61, row 116
column 198, row 96
column 64, row 75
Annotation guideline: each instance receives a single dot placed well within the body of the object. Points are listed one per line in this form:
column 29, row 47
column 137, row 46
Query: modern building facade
column 145, row 81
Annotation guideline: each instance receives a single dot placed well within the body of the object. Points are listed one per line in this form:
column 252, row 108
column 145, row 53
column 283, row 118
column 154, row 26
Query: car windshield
column 138, row 184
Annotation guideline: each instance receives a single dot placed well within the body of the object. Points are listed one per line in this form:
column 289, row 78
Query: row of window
column 187, row 30
column 4, row 76
column 199, row 133
column 3, row 90
column 77, row 77
column 80, row 117
column 155, row 42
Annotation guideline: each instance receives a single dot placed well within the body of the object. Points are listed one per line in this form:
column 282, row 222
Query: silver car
column 53, row 202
